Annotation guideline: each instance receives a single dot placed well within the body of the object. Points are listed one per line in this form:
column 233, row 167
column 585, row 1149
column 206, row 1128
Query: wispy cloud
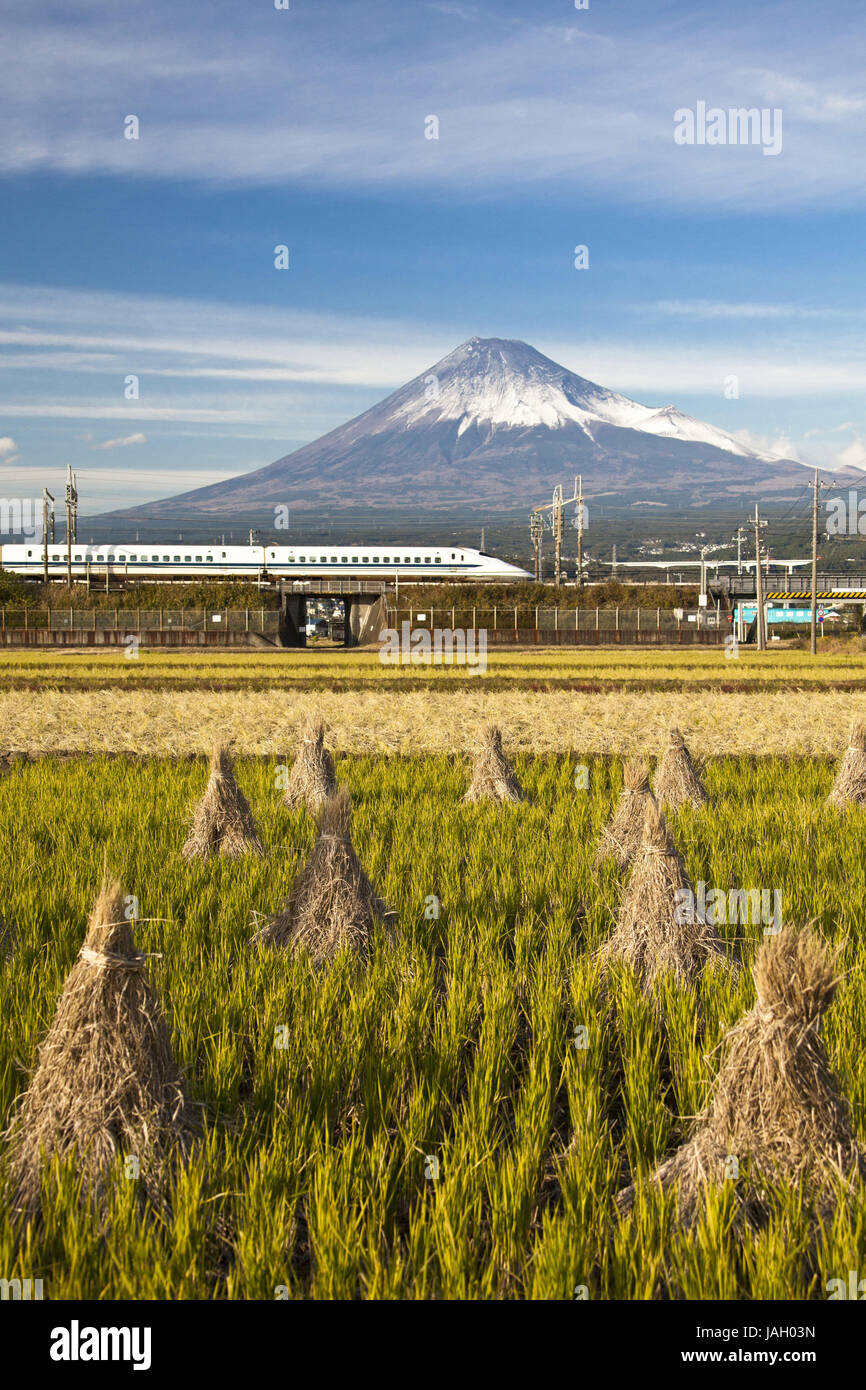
column 721, row 309
column 338, row 97
column 123, row 442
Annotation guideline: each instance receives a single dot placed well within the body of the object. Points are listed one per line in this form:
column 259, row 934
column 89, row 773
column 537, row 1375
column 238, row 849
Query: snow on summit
column 505, row 382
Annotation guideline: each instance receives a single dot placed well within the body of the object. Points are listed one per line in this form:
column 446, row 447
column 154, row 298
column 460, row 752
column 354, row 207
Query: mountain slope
column 495, row 425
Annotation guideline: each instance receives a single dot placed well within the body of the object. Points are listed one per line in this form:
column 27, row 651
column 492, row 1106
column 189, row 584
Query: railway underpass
column 364, row 609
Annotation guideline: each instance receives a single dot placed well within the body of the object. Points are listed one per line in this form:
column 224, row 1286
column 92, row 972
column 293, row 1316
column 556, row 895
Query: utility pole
column 46, row 498
column 580, row 531
column 813, row 628
column 483, row 551
column 739, row 538
column 535, row 527
column 557, row 534
column 71, row 520
column 759, row 582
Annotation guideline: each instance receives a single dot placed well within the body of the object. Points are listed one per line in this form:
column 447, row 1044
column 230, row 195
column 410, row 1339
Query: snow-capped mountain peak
column 505, row 383
column 496, row 425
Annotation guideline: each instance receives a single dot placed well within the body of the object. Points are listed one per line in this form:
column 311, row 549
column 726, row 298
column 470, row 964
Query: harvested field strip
column 443, row 684
column 329, row 1094
column 175, row 723
column 536, row 668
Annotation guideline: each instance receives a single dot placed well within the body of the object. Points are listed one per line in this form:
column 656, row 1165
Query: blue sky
column 306, row 127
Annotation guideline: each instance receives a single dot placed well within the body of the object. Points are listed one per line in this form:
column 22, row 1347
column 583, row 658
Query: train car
column 167, row 560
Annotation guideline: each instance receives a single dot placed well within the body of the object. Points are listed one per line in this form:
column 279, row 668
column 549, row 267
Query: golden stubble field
column 782, row 702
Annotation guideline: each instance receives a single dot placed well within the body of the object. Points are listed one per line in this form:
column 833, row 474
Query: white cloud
column 7, row 446
column 123, row 442
column 815, row 449
column 854, row 456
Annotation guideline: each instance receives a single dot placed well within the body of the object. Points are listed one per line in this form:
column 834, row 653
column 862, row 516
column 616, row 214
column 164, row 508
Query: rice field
column 838, row 664
column 174, row 723
column 428, row 1124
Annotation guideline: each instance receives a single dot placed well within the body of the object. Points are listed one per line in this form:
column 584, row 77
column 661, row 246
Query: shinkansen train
column 151, row 560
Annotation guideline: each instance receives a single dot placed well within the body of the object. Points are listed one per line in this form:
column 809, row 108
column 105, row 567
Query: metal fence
column 61, row 619
column 565, row 620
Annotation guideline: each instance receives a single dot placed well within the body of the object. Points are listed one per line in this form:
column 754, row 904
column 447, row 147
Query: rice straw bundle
column 105, row 1085
column 776, row 1107
column 658, row 927
column 222, row 822
column 676, row 782
column 493, row 777
column 312, row 779
column 849, row 787
column 621, row 837
column 332, row 903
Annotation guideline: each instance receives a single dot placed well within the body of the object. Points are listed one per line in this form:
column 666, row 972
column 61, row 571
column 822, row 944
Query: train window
column 417, row 559
column 386, row 559
column 77, row 559
column 273, row 555
column 30, row 552
column 133, row 558
column 166, row 559
column 198, row 559
column 333, row 559
column 365, row 559
column 453, row 556
column 302, row 559
column 375, row 559
column 438, row 560
column 426, row 559
column 187, row 559
column 155, row 559
column 323, row 559
column 356, row 559
column 344, row 559
column 99, row 559
column 177, row 559
column 224, row 555
column 208, row 557
column 122, row 559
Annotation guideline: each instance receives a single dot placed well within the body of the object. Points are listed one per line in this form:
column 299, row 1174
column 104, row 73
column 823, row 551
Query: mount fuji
column 495, row 425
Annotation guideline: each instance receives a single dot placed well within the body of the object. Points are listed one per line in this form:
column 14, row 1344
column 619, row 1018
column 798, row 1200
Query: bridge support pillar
column 293, row 620
column 365, row 619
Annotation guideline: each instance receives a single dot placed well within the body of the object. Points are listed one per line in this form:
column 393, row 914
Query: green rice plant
column 454, row 1117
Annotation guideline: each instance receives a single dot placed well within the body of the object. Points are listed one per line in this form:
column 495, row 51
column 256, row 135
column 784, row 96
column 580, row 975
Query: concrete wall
column 116, row 637
column 365, row 620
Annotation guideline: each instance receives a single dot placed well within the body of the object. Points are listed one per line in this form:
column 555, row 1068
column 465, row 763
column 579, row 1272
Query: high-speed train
column 159, row 560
